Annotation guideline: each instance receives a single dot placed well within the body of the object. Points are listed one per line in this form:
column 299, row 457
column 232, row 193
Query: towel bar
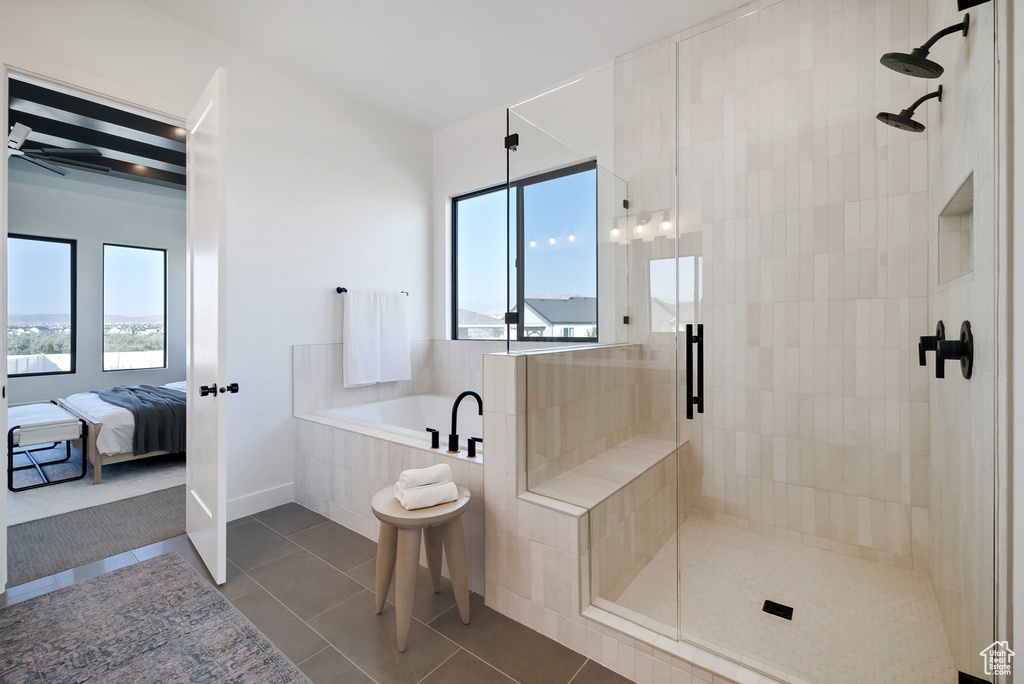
column 342, row 290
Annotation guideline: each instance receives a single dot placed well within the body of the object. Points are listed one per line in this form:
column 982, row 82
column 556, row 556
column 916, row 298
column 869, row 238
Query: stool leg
column 387, row 546
column 455, row 552
column 405, row 581
column 432, row 540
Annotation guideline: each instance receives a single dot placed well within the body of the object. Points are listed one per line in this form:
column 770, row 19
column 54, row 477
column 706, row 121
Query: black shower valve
column 930, row 343
column 961, row 350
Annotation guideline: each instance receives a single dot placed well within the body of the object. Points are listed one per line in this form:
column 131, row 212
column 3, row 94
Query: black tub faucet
column 453, row 438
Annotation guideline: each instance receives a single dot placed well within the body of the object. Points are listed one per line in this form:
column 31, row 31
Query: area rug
column 120, row 481
column 155, row 621
column 48, row 546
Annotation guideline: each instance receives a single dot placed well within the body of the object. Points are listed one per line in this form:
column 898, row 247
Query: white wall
column 95, row 212
column 322, row 191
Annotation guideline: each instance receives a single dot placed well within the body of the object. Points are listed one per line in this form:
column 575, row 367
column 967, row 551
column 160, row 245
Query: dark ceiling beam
column 24, row 106
column 94, row 110
column 88, row 137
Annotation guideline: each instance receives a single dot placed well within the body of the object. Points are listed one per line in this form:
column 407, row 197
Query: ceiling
column 437, row 62
column 124, row 144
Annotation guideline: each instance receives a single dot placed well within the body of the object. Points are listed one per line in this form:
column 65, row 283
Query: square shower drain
column 778, row 610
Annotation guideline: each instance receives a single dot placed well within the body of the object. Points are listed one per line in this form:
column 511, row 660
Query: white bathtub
column 410, row 416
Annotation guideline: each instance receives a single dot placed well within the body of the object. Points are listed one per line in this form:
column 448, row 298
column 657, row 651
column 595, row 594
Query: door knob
column 205, row 390
column 230, row 389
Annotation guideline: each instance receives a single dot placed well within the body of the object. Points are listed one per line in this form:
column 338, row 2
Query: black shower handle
column 691, row 398
column 689, row 371
column 699, row 399
column 930, row 343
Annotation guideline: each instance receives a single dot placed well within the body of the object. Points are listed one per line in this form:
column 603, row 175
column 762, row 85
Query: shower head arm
column 924, row 98
column 957, row 28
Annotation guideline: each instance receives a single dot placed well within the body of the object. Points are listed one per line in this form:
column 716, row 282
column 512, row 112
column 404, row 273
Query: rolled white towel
column 427, row 496
column 425, row 476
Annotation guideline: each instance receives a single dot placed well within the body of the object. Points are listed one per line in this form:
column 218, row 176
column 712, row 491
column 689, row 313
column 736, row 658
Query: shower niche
column 956, row 234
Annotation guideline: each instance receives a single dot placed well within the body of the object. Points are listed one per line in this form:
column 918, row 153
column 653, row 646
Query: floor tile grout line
column 313, row 629
column 458, row 645
column 299, row 665
column 573, row 678
column 439, row 666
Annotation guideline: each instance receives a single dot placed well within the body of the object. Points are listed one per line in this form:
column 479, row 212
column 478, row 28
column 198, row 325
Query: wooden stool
column 399, row 541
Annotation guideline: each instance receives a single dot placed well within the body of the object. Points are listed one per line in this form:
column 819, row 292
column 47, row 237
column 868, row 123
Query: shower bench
column 597, row 478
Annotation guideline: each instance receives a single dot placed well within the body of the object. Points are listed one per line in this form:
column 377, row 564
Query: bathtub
column 410, row 416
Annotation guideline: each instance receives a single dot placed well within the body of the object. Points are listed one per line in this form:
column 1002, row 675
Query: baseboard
column 259, row 501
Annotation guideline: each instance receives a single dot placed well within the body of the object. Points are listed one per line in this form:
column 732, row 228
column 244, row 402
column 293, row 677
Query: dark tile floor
column 306, row 582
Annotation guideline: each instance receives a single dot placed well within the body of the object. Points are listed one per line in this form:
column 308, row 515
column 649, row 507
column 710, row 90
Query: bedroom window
column 134, row 308
column 40, row 305
column 552, row 269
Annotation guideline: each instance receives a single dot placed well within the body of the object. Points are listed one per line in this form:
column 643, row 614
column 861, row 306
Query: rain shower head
column 917, row 63
column 905, row 119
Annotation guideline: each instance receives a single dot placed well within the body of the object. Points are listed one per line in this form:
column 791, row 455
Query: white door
column 206, row 470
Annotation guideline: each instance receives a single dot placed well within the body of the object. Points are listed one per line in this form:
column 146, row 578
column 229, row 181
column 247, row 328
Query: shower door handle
column 691, row 398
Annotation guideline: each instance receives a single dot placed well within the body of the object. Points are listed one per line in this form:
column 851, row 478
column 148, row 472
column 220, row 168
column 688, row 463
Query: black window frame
column 73, row 244
column 103, row 307
column 520, row 239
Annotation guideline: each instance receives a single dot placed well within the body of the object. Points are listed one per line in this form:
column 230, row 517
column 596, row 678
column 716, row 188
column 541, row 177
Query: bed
column 111, row 430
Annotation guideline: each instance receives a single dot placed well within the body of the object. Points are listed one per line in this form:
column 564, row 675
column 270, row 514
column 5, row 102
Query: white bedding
column 117, row 431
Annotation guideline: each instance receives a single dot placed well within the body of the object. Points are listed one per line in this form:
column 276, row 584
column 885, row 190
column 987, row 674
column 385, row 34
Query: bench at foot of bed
column 89, row 449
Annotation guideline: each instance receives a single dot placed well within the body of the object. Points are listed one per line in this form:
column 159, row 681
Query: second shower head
column 905, row 119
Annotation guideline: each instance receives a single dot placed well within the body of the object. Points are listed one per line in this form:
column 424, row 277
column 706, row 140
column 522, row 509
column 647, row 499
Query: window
column 40, row 305
column 554, row 243
column 134, row 308
column 480, row 271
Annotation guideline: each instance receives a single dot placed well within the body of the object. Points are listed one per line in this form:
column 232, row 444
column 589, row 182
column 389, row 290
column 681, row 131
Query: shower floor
column 853, row 620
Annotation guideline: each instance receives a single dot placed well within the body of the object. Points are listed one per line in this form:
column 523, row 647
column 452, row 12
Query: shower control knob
column 930, row 343
column 961, row 350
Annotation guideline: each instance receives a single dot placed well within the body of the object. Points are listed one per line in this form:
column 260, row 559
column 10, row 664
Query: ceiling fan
column 49, row 157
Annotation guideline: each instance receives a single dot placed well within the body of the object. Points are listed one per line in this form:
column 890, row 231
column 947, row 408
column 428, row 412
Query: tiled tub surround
column 438, row 367
column 337, row 472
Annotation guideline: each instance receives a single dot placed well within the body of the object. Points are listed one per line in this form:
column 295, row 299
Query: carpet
column 155, row 621
column 48, row 546
column 120, row 481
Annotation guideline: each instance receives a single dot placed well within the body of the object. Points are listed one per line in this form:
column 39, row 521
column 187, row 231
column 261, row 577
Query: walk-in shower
column 762, row 244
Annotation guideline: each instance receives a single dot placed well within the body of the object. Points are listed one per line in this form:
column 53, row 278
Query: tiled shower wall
column 579, row 403
column 961, row 142
column 812, row 223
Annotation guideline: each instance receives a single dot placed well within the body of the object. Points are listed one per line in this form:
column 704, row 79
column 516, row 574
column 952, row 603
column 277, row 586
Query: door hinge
column 625, row 320
column 511, row 318
column 512, row 142
column 625, row 204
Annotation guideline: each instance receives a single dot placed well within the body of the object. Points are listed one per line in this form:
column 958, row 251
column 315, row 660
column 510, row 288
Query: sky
column 39, row 279
column 555, row 210
column 133, row 281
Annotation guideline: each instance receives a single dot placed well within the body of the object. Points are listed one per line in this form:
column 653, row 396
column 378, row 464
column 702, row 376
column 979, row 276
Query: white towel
column 421, row 477
column 361, row 339
column 425, row 497
column 395, row 350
